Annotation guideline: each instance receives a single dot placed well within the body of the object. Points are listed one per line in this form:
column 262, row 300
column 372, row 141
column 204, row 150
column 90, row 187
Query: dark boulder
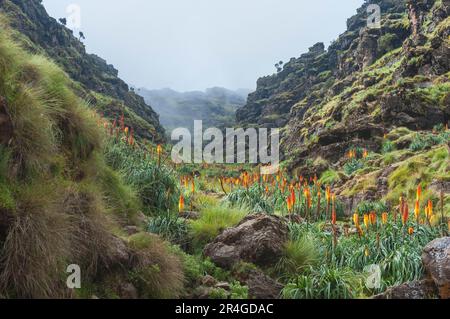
column 258, row 239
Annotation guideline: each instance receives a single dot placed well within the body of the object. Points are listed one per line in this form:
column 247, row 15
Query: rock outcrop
column 436, row 259
column 368, row 81
column 258, row 239
column 421, row 289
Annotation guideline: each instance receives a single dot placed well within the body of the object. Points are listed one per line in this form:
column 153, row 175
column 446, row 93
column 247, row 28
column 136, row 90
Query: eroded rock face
column 436, row 259
column 258, row 239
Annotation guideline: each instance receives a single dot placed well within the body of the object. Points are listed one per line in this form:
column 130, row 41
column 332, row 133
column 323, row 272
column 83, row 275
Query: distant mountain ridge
column 215, row 106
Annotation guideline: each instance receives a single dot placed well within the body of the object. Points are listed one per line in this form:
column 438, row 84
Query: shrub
column 238, row 291
column 353, row 165
column 425, row 141
column 387, row 147
column 329, row 177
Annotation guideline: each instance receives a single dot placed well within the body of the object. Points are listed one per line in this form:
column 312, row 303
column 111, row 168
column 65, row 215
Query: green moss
column 423, row 168
column 362, row 184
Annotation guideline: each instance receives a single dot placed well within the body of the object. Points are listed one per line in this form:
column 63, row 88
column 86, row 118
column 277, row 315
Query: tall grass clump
column 298, row 255
column 155, row 184
column 159, row 272
column 213, row 221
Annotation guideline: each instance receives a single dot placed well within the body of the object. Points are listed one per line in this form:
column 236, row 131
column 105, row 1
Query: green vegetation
column 155, row 185
column 64, row 194
column 159, row 273
column 214, row 220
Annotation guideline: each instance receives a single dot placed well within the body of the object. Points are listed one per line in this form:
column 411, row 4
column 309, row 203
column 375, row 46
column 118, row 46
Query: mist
column 196, row 44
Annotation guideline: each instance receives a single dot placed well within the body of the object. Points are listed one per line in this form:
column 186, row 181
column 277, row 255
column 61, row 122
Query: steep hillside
column 371, row 90
column 64, row 198
column 97, row 81
column 216, row 106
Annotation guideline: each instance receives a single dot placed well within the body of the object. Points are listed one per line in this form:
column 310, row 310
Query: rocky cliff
column 99, row 81
column 368, row 80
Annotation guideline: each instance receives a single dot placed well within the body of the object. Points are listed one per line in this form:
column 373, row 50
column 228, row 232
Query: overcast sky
column 195, row 44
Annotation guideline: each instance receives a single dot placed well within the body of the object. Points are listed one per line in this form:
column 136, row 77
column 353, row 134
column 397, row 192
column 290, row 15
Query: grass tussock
column 159, row 272
column 33, row 251
column 213, row 221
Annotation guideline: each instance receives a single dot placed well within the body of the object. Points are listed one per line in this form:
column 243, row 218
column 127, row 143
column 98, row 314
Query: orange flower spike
column 333, row 217
column 293, row 199
column 373, row 218
column 193, row 186
column 405, row 214
column 417, row 210
column 289, row 204
column 131, row 139
column 267, row 190
column 410, row 231
column 126, row 130
column 430, row 207
column 419, row 193
column 328, row 194
column 356, row 219
column 384, row 218
column 333, row 201
column 181, row 204
column 366, row 220
column 365, row 153
column 159, row 150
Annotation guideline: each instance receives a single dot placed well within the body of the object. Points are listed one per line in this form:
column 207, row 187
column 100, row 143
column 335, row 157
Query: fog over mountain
column 215, row 106
column 196, row 44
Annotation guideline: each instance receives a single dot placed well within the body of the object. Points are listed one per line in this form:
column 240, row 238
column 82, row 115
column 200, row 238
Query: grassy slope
column 60, row 202
column 93, row 79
